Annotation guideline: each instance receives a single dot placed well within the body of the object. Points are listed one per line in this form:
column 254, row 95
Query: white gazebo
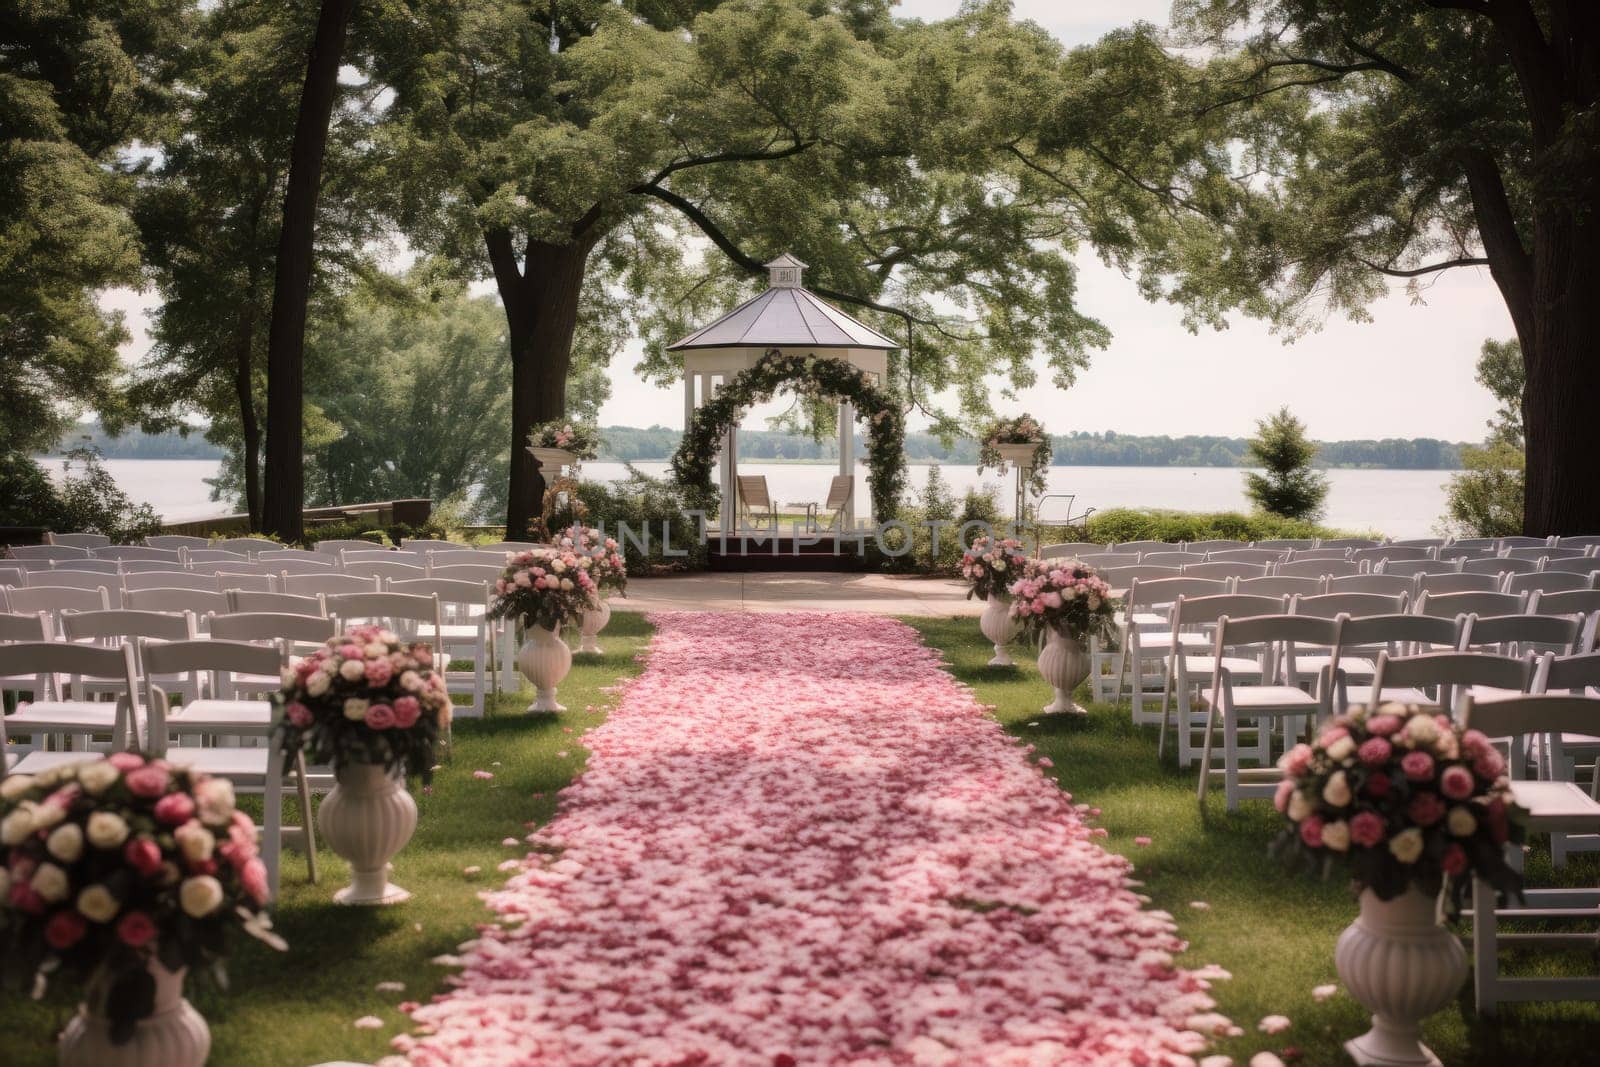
column 792, row 319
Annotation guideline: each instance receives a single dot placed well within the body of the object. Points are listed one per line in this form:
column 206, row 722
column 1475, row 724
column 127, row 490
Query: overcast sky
column 1408, row 373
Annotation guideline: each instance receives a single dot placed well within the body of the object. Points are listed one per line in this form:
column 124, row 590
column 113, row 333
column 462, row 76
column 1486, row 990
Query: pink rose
column 1297, row 760
column 143, row 855
column 1475, row 742
column 136, row 930
column 174, row 809
column 406, row 712
column 147, row 781
column 1489, row 764
column 65, row 929
column 23, row 897
column 298, row 714
column 1454, row 860
column 422, row 654
column 1374, row 752
column 253, row 879
column 125, row 761
column 1456, row 783
column 1366, row 829
column 1418, row 766
column 380, row 716
column 379, row 671
column 350, row 652
column 1329, row 736
column 1383, row 725
column 1280, row 799
column 1426, row 809
column 1378, row 786
column 1311, row 831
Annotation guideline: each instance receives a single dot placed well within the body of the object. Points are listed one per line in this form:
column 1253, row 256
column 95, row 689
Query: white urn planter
column 1017, row 455
column 591, row 623
column 999, row 627
column 544, row 660
column 552, row 461
column 175, row 1035
column 1064, row 663
column 368, row 818
column 1399, row 963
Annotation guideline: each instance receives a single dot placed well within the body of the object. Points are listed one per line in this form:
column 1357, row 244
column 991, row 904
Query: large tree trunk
column 1563, row 391
column 285, row 478
column 541, row 305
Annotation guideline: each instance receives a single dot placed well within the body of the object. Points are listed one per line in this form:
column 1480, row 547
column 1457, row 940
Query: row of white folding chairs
column 1334, row 544
column 1322, row 577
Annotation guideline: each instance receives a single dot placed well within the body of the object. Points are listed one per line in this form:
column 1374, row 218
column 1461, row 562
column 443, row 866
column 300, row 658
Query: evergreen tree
column 1287, row 486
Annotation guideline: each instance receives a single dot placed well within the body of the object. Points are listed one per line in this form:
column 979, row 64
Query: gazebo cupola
column 792, row 319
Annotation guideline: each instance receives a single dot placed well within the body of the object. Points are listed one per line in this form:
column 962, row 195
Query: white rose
column 1461, row 822
column 287, row 677
column 557, row 566
column 375, row 649
column 97, row 777
column 1337, row 791
column 214, row 799
column 200, row 896
column 50, row 882
column 97, row 904
column 195, row 842
column 1422, row 729
column 355, row 709
column 1407, row 844
column 410, row 681
column 1336, row 835
column 15, row 828
column 1299, row 806
column 107, row 830
column 15, row 786
column 1342, row 749
column 566, row 585
column 999, row 564
column 1094, row 602
column 352, row 670
column 48, row 815
column 316, row 683
column 65, row 842
column 388, row 637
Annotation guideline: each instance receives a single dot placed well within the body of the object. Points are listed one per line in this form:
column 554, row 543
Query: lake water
column 1399, row 503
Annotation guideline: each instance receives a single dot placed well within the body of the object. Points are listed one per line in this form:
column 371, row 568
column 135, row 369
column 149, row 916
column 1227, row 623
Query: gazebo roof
column 787, row 315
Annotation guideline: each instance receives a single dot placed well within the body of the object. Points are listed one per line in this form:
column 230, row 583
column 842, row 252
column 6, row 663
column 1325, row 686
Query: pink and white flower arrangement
column 107, row 863
column 544, row 586
column 991, row 564
column 1024, row 429
column 1401, row 796
column 1067, row 596
column 579, row 440
column 600, row 556
column 365, row 697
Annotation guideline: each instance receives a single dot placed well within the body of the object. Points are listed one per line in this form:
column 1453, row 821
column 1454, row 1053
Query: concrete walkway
column 879, row 594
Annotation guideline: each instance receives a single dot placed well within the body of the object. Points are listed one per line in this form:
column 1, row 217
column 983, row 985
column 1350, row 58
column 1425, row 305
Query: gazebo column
column 847, row 459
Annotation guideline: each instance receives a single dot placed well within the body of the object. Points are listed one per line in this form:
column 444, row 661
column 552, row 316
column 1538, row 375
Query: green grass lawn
column 297, row 1008
column 1274, row 931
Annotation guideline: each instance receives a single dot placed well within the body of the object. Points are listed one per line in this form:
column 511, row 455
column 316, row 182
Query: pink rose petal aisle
column 800, row 841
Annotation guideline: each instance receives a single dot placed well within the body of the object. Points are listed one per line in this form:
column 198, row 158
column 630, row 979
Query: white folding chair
column 284, row 552
column 1499, row 565
column 1449, row 605
column 1189, row 669
column 1547, row 582
column 13, row 576
column 1568, row 602
column 1244, row 692
column 390, row 609
column 464, row 557
column 1265, row 556
column 1280, row 585
column 383, row 555
column 465, row 627
column 252, row 601
column 170, row 580
column 1347, row 542
column 176, row 541
column 1408, row 679
column 193, row 556
column 1123, row 577
column 197, row 602
column 109, row 584
column 1069, row 549
column 54, row 599
column 118, row 626
column 48, row 552
column 1330, row 555
column 1168, row 558
column 1382, row 584
column 292, row 632
column 1554, row 807
column 334, row 546
column 140, row 553
column 1411, row 568
column 1586, row 565
column 1366, row 638
column 1385, row 553
column 1102, row 560
column 78, row 540
column 248, row 546
column 1220, row 544
column 250, row 769
column 324, row 564
column 1517, row 635
column 227, row 582
column 86, row 566
column 1146, row 640
column 1317, row 568
column 1226, row 570
column 68, row 717
column 1356, row 661
column 1293, row 544
column 1457, row 583
column 1141, row 547
column 384, row 570
column 34, row 627
column 423, row 544
column 327, row 584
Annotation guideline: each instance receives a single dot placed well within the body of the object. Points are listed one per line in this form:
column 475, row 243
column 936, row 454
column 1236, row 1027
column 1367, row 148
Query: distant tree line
column 630, row 444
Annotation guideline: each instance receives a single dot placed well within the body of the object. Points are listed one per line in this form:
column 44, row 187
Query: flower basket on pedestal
column 128, row 874
column 601, row 558
column 1415, row 808
column 545, row 588
column 1064, row 603
column 375, row 709
column 553, row 461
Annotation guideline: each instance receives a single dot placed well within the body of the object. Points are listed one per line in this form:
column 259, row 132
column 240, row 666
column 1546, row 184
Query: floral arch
column 695, row 460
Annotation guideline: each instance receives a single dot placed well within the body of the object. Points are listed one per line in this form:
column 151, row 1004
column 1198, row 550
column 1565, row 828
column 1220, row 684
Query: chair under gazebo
column 789, row 319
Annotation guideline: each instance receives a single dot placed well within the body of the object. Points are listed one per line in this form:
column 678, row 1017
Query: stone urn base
column 175, row 1035
column 999, row 627
column 1400, row 964
column 1064, row 664
column 590, row 624
column 368, row 818
column 544, row 660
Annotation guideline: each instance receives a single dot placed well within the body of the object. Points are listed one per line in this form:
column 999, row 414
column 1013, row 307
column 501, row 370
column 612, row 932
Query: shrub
column 87, row 499
column 652, row 510
column 1136, row 524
